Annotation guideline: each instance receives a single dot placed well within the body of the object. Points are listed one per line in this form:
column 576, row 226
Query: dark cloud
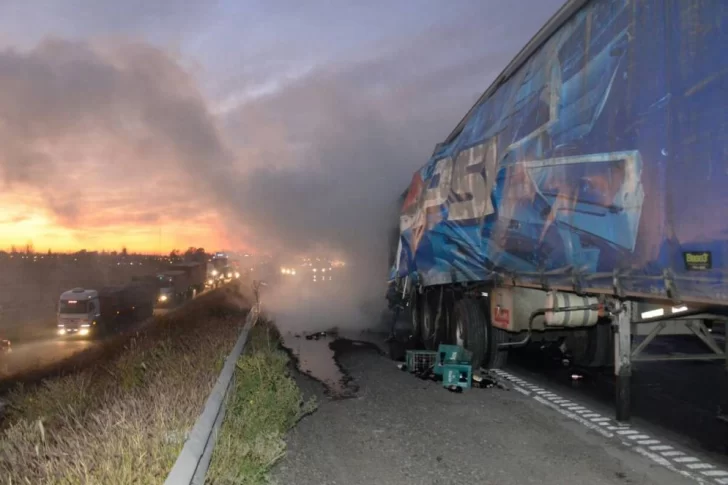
column 345, row 139
column 318, row 161
column 76, row 118
column 158, row 19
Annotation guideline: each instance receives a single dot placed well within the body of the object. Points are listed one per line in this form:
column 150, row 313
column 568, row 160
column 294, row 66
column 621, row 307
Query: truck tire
column 428, row 312
column 433, row 332
column 591, row 347
column 473, row 331
column 499, row 358
column 415, row 311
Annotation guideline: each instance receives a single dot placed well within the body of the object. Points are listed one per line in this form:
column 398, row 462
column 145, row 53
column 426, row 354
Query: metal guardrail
column 194, row 459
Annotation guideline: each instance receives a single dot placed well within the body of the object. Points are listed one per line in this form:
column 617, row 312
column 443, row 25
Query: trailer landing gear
column 623, row 363
column 625, row 325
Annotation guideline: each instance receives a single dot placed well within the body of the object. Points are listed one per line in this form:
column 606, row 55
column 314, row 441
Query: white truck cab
column 172, row 287
column 78, row 311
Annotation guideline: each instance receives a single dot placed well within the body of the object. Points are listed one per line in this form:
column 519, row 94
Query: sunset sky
column 232, row 124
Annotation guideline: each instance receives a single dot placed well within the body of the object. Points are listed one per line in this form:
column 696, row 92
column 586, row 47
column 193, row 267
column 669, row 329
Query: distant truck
column 216, row 270
column 173, row 288
column 228, row 273
column 578, row 203
column 88, row 312
column 211, row 276
column 196, row 275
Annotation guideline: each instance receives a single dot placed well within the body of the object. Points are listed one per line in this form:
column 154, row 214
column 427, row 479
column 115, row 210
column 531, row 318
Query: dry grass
column 264, row 404
column 123, row 421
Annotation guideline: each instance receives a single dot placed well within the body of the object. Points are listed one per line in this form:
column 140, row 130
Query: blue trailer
column 587, row 189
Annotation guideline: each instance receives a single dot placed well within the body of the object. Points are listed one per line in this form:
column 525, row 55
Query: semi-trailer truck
column 216, row 270
column 196, row 275
column 582, row 200
column 89, row 312
column 173, row 288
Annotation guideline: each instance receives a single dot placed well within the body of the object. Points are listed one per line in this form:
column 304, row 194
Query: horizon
column 23, row 250
column 130, row 124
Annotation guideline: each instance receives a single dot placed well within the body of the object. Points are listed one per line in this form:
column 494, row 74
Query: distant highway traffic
column 30, row 356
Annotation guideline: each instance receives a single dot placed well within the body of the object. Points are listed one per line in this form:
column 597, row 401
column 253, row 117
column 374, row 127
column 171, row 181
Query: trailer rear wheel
column 433, row 332
column 473, row 331
column 415, row 311
column 427, row 322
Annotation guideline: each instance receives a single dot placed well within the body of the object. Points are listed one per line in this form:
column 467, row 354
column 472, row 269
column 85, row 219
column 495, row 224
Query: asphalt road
column 33, row 355
column 681, row 399
column 39, row 354
column 398, row 429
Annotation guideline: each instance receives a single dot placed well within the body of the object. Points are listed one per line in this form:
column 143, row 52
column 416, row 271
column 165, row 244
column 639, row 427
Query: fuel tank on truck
column 511, row 309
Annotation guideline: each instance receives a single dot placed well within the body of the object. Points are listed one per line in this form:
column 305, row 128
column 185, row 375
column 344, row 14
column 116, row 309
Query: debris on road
column 450, row 364
column 419, row 361
column 316, row 335
column 488, row 380
column 332, row 332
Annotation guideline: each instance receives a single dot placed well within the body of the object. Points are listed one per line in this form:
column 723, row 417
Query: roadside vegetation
column 124, row 419
column 264, row 404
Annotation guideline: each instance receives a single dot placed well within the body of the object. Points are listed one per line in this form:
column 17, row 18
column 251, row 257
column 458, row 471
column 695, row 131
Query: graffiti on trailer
column 558, row 166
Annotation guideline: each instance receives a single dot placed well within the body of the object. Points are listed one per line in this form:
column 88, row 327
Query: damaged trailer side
column 582, row 200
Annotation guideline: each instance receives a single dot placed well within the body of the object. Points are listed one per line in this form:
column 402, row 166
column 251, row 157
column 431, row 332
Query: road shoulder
column 402, row 430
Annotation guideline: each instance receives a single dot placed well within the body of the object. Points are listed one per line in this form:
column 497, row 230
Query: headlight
column 293, row 271
column 83, row 331
column 314, row 270
column 163, row 298
column 210, row 281
column 61, row 331
column 323, row 270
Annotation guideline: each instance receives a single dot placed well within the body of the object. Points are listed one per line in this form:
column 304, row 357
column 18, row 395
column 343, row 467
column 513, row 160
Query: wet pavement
column 31, row 361
column 680, row 399
column 399, row 429
column 316, row 354
column 25, row 357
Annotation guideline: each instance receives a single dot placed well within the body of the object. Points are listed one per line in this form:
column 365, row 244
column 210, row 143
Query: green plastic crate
column 420, row 360
column 453, row 354
column 450, row 354
column 459, row 375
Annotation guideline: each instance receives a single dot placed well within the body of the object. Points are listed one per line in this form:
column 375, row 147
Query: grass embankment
column 124, row 419
column 264, row 403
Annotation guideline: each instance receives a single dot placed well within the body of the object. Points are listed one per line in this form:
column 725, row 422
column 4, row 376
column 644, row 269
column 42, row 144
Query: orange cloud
column 110, row 228
column 104, row 146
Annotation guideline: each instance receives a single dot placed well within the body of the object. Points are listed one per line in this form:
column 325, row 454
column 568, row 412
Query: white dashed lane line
column 642, row 443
